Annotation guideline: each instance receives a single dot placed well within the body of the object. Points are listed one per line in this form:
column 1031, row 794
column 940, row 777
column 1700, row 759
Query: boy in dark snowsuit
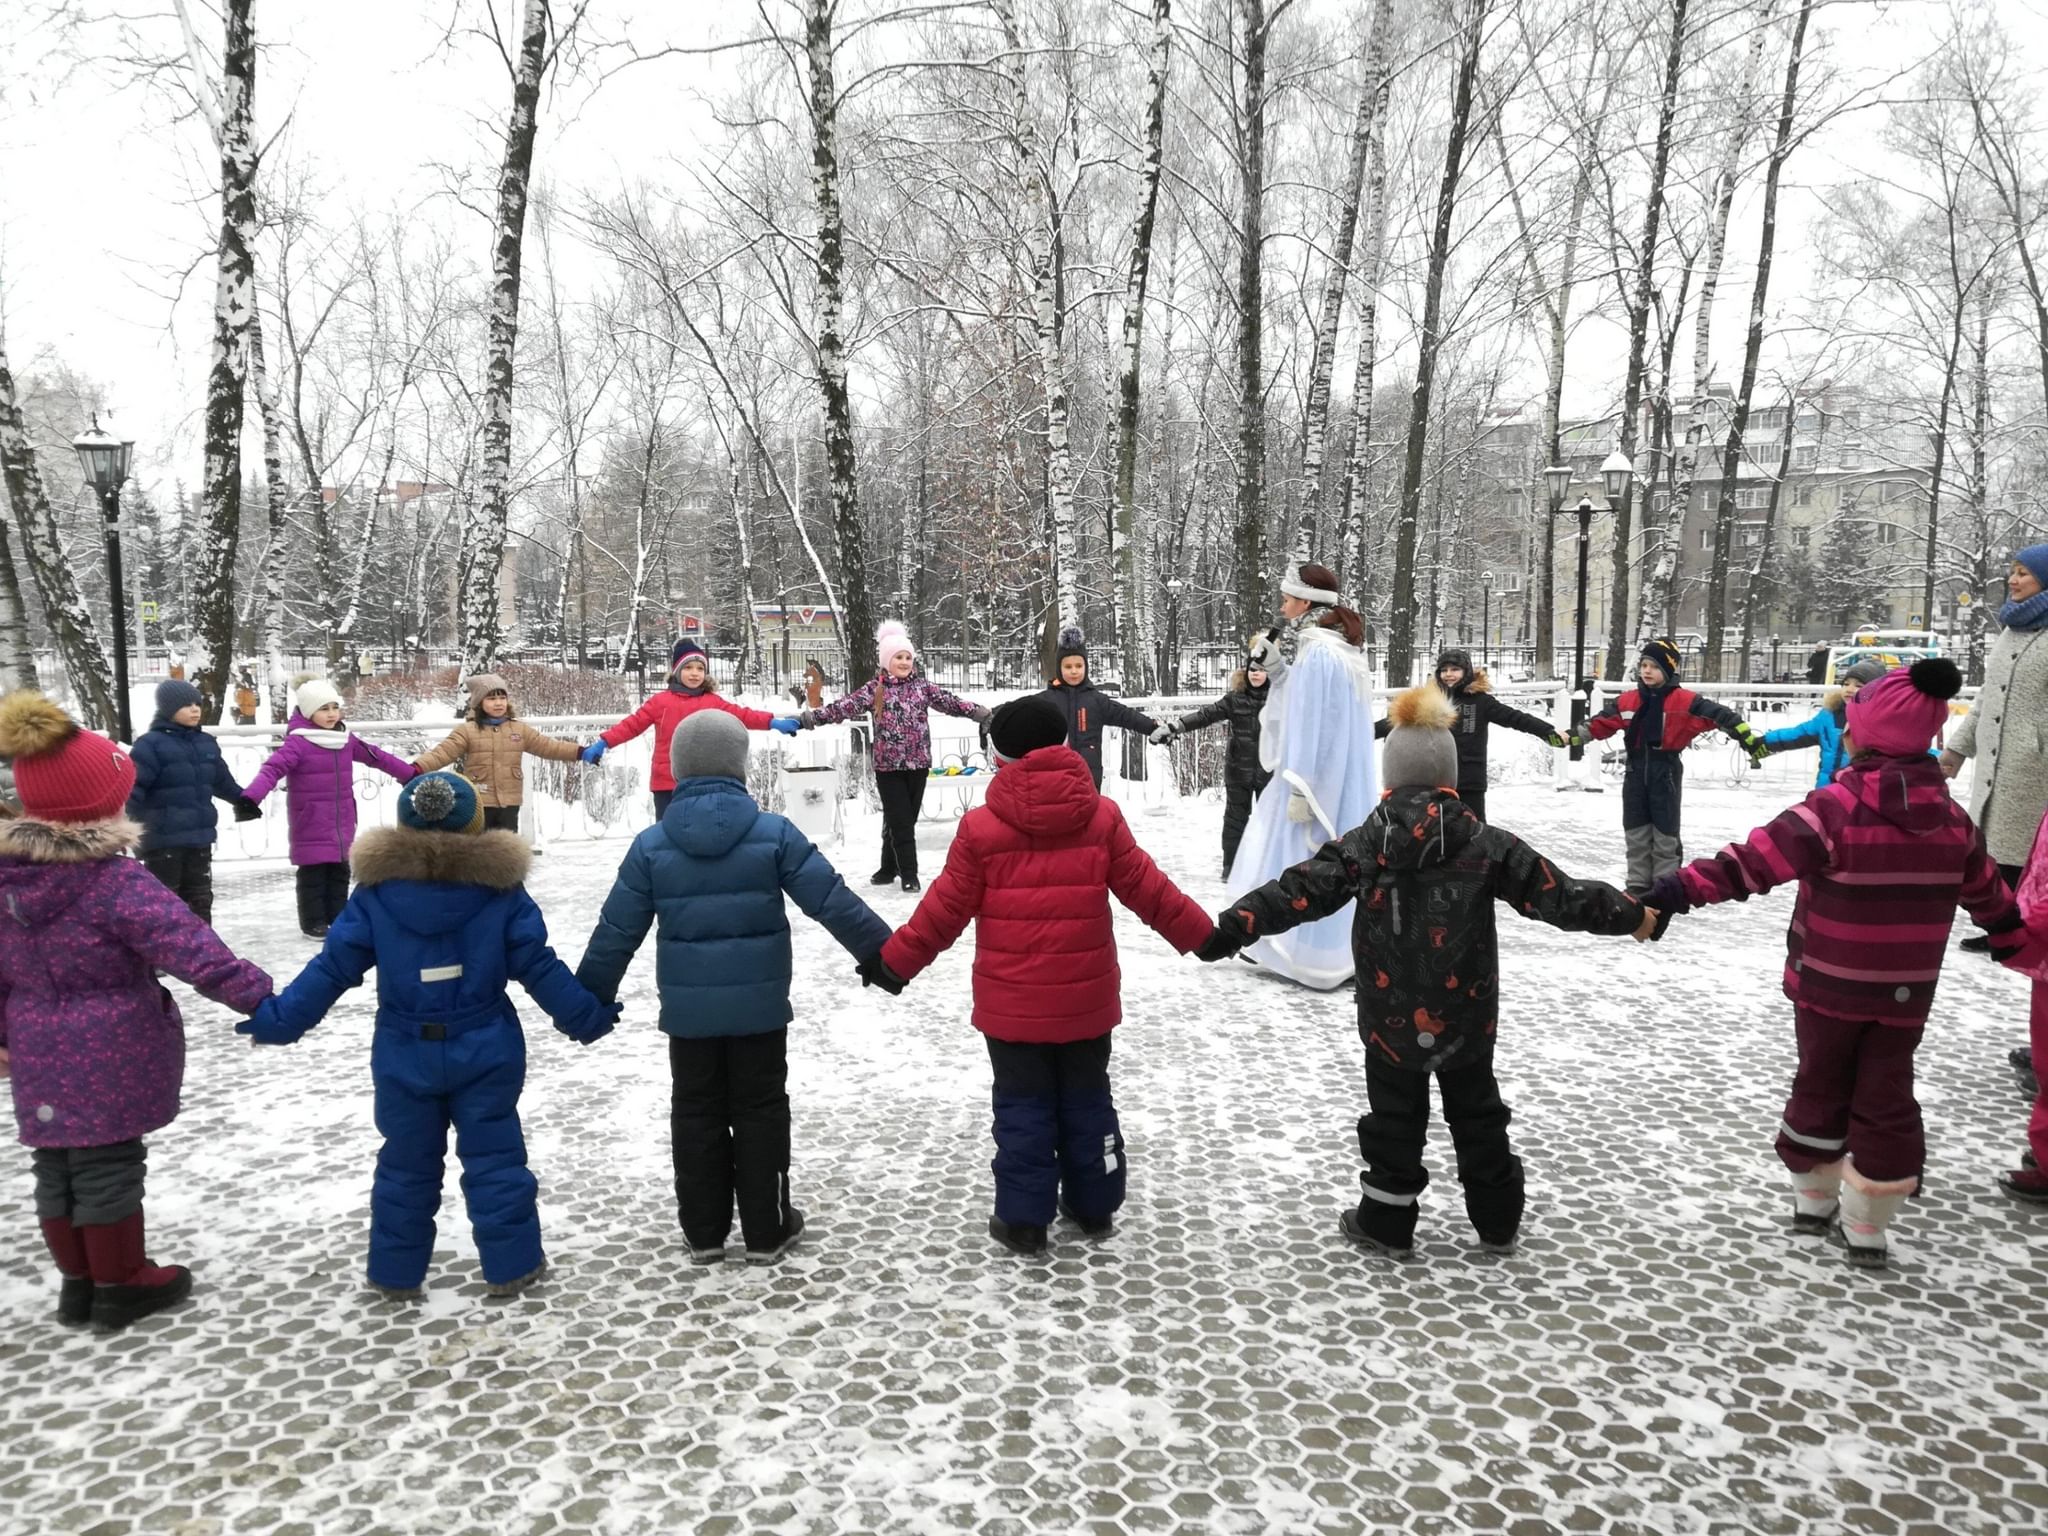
column 179, row 773
column 1471, row 692
column 1426, row 873
column 441, row 910
column 1086, row 710
column 713, row 872
column 1657, row 719
column 1243, row 776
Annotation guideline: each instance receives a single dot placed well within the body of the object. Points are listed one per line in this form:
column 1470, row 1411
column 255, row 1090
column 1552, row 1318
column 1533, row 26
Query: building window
column 1803, row 496
column 1888, row 534
column 1809, row 419
column 1771, row 419
column 1802, row 540
column 1852, row 456
column 1707, row 540
column 1805, row 455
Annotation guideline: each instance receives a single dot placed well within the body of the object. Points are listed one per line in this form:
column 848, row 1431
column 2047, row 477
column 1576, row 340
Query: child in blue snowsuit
column 713, row 871
column 441, row 910
column 179, row 773
column 1827, row 726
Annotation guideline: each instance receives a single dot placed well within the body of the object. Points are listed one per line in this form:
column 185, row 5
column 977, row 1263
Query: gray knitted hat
column 1866, row 671
column 709, row 745
column 1420, row 749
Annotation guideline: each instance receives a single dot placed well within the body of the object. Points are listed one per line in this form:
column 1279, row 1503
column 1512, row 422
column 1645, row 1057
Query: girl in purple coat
column 94, row 1046
column 899, row 700
column 317, row 763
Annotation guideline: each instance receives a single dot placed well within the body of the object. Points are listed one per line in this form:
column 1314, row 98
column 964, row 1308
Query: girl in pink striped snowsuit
column 1883, row 858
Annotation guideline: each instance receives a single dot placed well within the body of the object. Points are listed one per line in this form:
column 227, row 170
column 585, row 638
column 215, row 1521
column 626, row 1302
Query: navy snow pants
column 1652, row 792
column 470, row 1080
column 1056, row 1131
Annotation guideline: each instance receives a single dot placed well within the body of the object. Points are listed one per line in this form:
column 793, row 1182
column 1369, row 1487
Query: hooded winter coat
column 1479, row 710
column 493, row 755
column 903, row 731
column 1034, row 869
column 1824, row 729
column 96, row 1048
column 1426, row 873
column 179, row 773
column 667, row 710
column 1239, row 709
column 445, row 919
column 1883, row 858
column 318, row 768
column 1087, row 712
column 714, row 871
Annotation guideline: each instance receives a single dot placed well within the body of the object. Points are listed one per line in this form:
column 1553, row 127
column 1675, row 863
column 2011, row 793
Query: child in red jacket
column 1036, row 866
column 1883, row 858
column 689, row 690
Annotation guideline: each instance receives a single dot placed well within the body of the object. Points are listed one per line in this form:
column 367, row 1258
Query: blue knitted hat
column 174, row 694
column 440, row 802
column 2035, row 558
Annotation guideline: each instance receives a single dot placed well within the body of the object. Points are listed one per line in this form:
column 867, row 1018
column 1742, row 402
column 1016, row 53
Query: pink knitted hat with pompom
column 892, row 638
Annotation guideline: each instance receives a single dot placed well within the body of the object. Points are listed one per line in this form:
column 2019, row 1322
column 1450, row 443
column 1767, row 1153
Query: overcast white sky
column 103, row 201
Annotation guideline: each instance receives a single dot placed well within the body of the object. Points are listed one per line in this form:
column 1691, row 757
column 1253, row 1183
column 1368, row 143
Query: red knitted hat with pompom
column 61, row 773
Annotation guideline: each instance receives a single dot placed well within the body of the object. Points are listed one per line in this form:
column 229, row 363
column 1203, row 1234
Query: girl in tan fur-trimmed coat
column 491, row 745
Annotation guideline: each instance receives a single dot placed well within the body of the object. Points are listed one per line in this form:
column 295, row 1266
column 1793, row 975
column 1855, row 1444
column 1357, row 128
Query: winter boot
column 710, row 1253
column 1388, row 1230
column 781, row 1250
column 126, row 1286
column 1816, row 1197
column 396, row 1292
column 1092, row 1226
column 74, row 1301
column 2021, row 1060
column 514, row 1286
column 1868, row 1207
column 2026, row 1185
column 1026, row 1240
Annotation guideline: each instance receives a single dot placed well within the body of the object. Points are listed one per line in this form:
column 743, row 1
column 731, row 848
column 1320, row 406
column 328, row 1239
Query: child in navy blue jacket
column 179, row 773
column 441, row 910
column 714, row 871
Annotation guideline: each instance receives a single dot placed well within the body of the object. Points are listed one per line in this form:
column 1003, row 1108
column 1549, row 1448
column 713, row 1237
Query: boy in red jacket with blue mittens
column 1883, row 858
column 1036, row 867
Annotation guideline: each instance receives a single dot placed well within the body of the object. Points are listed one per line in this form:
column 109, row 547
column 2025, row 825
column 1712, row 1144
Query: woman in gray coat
column 2006, row 731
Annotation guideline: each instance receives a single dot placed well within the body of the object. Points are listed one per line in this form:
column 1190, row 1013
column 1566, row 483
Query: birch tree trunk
column 483, row 541
column 1618, row 611
column 1352, row 497
column 1129, row 597
column 234, row 315
column 1731, row 453
column 1365, row 129
column 49, row 567
column 1662, row 581
column 1249, row 526
column 1401, row 619
column 17, row 656
column 857, row 632
column 267, row 602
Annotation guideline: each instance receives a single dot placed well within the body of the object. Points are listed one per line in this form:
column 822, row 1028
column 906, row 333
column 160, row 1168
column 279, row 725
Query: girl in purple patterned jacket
column 899, row 700
column 93, row 1044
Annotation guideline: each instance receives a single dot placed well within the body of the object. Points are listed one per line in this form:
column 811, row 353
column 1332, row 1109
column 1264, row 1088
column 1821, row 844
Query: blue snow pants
column 1056, row 1131
column 429, row 1076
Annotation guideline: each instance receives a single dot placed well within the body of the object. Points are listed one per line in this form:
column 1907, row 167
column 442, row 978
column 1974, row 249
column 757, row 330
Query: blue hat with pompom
column 441, row 802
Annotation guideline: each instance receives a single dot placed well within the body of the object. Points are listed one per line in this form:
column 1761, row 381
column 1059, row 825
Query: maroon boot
column 74, row 1301
column 126, row 1286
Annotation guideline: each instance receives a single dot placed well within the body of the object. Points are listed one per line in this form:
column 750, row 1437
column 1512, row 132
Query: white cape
column 1315, row 734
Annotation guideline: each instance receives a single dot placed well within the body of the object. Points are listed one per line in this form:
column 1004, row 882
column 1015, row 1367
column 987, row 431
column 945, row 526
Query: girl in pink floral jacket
column 900, row 701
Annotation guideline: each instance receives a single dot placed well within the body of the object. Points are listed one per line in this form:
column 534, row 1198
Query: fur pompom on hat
column 1072, row 643
column 892, row 639
column 440, row 802
column 1897, row 715
column 314, row 695
column 1420, row 751
column 61, row 772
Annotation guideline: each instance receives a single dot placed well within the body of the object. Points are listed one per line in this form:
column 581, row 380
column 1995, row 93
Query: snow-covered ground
column 1660, row 1356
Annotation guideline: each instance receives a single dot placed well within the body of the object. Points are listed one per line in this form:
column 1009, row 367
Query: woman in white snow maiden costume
column 1316, row 740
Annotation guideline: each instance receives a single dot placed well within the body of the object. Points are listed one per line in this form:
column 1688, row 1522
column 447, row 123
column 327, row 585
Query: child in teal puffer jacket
column 1828, row 724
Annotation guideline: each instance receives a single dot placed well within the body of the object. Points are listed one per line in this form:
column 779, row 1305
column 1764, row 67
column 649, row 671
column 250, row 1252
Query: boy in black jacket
column 1243, row 775
column 1471, row 693
column 1088, row 711
column 1426, row 872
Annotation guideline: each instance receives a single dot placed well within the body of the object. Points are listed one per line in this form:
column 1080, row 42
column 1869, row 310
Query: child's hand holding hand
column 875, row 972
column 1652, row 926
column 596, row 1027
column 593, row 752
column 247, row 809
column 1221, row 944
column 267, row 1027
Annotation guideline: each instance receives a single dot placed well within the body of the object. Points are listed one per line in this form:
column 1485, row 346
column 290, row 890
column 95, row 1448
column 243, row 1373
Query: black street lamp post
column 1169, row 664
column 1614, row 473
column 105, row 460
column 1485, row 618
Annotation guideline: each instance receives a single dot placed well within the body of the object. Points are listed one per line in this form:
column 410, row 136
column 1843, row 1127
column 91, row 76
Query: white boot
column 1868, row 1206
column 1816, row 1197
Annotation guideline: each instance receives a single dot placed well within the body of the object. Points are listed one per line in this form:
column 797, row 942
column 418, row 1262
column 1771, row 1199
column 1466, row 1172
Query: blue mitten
column 788, row 725
column 267, row 1027
column 593, row 752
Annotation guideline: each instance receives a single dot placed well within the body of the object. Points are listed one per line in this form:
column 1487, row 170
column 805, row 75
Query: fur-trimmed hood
column 67, row 842
column 1240, row 682
column 497, row 860
column 1835, row 702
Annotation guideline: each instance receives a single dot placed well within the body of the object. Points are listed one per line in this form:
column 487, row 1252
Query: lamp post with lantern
column 1169, row 663
column 1485, row 618
column 1614, row 473
column 105, row 458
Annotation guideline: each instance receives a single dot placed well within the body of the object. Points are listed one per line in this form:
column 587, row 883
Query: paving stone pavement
column 1659, row 1356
